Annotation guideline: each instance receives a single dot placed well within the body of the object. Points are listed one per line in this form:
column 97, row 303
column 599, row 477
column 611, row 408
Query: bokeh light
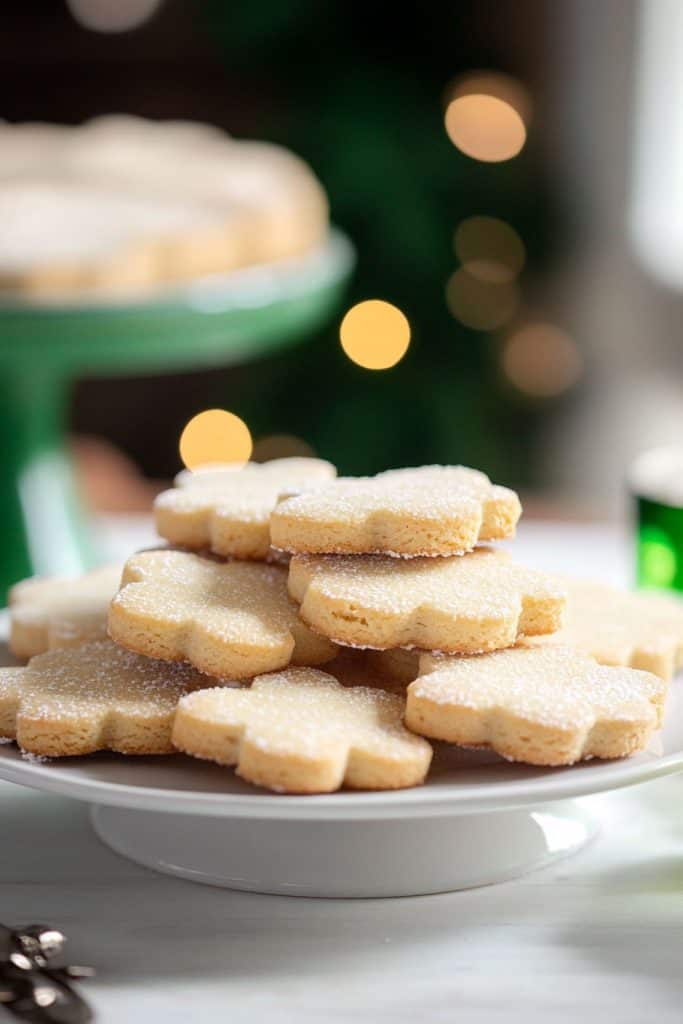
column 492, row 83
column 215, row 436
column 541, row 360
column 112, row 15
column 481, row 305
column 487, row 115
column 281, row 446
column 374, row 334
column 489, row 249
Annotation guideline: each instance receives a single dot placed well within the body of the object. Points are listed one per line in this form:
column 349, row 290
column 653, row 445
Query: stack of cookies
column 316, row 633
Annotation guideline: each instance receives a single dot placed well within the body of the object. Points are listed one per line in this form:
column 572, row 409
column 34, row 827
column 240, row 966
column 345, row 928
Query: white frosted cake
column 122, row 203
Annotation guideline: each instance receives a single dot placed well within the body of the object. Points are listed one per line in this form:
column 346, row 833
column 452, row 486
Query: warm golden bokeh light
column 541, row 360
column 215, row 436
column 485, row 127
column 374, row 334
column 481, row 305
column 281, row 446
column 489, row 249
column 492, row 83
column 487, row 115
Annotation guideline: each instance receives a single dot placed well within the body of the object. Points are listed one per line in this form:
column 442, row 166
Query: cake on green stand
column 134, row 246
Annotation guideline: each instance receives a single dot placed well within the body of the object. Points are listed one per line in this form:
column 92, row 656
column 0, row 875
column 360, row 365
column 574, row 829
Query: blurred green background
column 359, row 92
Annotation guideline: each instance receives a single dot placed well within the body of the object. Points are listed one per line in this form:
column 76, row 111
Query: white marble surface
column 593, row 939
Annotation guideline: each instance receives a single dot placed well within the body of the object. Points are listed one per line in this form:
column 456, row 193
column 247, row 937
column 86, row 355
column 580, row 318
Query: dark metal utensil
column 31, row 987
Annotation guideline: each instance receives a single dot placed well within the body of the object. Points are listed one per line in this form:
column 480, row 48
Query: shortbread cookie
column 545, row 705
column 434, row 510
column 300, row 731
column 620, row 627
column 227, row 510
column 475, row 602
column 60, row 611
column 94, row 697
column 229, row 619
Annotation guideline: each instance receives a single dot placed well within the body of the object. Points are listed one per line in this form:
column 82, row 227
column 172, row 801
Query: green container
column 215, row 321
column 659, row 545
column 656, row 483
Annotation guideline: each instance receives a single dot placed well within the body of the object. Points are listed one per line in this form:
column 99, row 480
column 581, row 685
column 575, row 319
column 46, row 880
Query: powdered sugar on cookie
column 433, row 510
column 477, row 602
column 228, row 511
column 60, row 611
column 233, row 620
column 97, row 696
column 546, row 705
column 300, row 731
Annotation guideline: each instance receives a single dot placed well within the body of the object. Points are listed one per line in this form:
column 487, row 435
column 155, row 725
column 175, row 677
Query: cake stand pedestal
column 404, row 856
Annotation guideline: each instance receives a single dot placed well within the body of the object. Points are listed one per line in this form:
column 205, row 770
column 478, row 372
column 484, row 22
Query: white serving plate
column 477, row 820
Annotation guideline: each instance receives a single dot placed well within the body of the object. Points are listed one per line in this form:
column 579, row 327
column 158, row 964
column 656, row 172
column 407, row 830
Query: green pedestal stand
column 214, row 321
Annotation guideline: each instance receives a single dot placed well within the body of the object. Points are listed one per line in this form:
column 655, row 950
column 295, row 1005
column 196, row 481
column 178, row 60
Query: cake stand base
column 347, row 858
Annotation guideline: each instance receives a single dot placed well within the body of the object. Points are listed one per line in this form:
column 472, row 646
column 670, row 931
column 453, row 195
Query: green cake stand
column 209, row 322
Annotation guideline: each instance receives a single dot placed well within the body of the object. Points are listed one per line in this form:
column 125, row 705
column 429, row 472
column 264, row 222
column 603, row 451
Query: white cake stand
column 478, row 819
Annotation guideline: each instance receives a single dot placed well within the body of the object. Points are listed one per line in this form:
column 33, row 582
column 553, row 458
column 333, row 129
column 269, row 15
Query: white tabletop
column 593, row 939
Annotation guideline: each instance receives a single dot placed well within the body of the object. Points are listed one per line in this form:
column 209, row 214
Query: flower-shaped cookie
column 228, row 510
column 300, row 731
column 620, row 627
column 229, row 619
column 543, row 705
column 60, row 611
column 433, row 510
column 475, row 602
column 97, row 696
